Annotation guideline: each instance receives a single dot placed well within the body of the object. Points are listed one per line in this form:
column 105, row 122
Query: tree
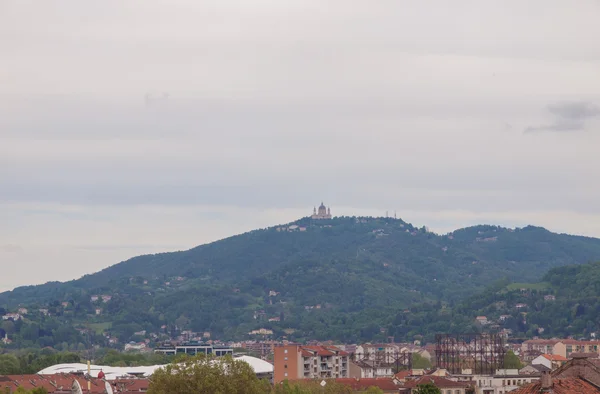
column 9, row 364
column 512, row 361
column 427, row 388
column 420, row 362
column 206, row 374
column 37, row 390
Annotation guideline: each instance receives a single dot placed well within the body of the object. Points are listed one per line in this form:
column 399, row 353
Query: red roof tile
column 561, row 386
column 61, row 383
column 403, row 374
column 554, row 357
column 325, row 350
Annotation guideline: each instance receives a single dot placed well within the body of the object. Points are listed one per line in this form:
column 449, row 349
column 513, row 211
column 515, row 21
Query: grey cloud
column 575, row 110
column 12, row 248
column 569, row 116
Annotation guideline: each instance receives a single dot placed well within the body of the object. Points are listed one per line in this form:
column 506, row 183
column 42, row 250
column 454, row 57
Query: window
column 285, row 374
column 285, row 351
column 285, row 358
column 285, row 366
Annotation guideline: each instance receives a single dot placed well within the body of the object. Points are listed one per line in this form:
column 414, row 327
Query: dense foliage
column 25, row 362
column 427, row 388
column 349, row 279
column 203, row 374
column 565, row 303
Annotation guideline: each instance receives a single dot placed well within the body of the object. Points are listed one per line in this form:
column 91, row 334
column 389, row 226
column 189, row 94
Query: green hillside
column 566, row 302
column 346, row 279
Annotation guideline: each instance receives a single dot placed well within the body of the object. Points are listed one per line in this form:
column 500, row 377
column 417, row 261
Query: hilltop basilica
column 323, row 213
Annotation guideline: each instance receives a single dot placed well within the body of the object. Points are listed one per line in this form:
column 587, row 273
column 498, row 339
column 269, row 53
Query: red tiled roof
column 385, row 384
column 324, row 350
column 542, row 341
column 336, row 349
column 576, row 342
column 554, row 357
column 403, row 374
column 437, row 381
column 321, row 351
column 561, row 386
column 61, row 383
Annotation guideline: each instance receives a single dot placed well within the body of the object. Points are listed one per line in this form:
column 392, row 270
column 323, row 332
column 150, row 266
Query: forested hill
column 337, row 278
column 566, row 302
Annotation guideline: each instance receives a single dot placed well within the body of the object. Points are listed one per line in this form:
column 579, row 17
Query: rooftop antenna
column 395, row 215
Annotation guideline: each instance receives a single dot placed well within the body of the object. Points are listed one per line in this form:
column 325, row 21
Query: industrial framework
column 480, row 353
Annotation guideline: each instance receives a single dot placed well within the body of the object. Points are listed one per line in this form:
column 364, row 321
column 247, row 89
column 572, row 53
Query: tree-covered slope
column 345, row 278
column 564, row 303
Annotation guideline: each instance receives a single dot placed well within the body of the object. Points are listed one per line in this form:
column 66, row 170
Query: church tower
column 323, row 212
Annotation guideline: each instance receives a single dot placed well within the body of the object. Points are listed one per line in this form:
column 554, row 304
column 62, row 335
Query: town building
column 370, row 369
column 260, row 348
column 323, row 212
column 577, row 376
column 194, row 348
column 550, row 361
column 502, row 381
column 563, row 347
column 295, row 362
column 445, row 385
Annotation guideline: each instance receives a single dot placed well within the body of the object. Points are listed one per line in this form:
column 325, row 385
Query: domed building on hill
column 323, row 212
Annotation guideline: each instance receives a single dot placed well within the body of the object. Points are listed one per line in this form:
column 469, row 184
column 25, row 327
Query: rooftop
column 561, row 386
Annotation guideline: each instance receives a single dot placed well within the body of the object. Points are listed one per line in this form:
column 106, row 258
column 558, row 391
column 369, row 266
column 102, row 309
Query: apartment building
column 295, row 362
column 562, row 347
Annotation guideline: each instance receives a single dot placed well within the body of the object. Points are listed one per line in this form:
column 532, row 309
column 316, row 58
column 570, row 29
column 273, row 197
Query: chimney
column 546, row 381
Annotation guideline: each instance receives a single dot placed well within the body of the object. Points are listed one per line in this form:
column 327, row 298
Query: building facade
column 194, row 348
column 295, row 362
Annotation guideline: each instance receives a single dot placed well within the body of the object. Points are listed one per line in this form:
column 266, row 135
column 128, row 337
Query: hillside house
column 133, row 346
column 261, row 331
column 12, row 316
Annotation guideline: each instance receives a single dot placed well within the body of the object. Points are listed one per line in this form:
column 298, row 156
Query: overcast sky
column 452, row 113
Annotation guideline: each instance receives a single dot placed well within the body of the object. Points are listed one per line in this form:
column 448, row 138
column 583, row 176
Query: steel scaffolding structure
column 481, row 353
